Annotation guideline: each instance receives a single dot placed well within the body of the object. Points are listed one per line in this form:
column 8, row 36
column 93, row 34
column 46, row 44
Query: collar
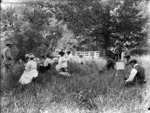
column 135, row 65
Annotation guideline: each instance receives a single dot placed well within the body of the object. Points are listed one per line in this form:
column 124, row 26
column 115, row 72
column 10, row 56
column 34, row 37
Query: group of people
column 31, row 69
column 137, row 74
column 119, row 53
column 45, row 64
column 116, row 54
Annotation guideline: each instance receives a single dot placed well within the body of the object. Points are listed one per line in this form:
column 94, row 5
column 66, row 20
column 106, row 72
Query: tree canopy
column 75, row 24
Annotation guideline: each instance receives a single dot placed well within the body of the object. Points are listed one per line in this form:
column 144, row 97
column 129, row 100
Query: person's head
column 108, row 48
column 81, row 56
column 68, row 52
column 51, row 57
column 9, row 44
column 32, row 57
column 47, row 55
column 61, row 53
column 43, row 56
column 132, row 62
column 27, row 57
column 117, row 43
column 126, row 46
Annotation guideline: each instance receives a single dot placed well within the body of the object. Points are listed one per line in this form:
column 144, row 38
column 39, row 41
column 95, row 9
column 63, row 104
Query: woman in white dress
column 62, row 62
column 81, row 60
column 30, row 71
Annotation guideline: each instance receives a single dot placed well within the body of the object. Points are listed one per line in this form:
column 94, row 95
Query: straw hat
column 132, row 61
column 32, row 56
column 8, row 43
column 27, row 55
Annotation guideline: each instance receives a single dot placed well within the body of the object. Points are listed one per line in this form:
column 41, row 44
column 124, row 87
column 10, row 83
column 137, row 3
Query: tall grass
column 84, row 92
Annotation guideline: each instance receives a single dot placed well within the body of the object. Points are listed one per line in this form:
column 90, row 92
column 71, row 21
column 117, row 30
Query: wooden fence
column 95, row 54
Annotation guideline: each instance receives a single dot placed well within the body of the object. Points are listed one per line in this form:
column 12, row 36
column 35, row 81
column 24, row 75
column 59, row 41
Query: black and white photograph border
column 75, row 56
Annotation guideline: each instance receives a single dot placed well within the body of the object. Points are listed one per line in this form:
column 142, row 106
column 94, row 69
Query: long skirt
column 7, row 76
column 27, row 77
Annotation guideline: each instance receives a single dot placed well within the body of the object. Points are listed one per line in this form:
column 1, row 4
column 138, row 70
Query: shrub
column 139, row 51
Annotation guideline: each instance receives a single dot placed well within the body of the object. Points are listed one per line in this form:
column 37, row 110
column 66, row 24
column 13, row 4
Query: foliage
column 139, row 51
column 74, row 24
column 104, row 23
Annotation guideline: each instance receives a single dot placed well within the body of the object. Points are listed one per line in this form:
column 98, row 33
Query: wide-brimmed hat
column 132, row 61
column 31, row 56
column 27, row 55
column 8, row 43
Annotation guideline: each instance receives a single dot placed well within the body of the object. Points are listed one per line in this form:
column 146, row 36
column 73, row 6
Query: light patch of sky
column 19, row 1
column 4, row 6
column 149, row 22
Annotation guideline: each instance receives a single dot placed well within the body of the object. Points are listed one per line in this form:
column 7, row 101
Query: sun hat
column 8, row 43
column 31, row 56
column 132, row 61
column 26, row 55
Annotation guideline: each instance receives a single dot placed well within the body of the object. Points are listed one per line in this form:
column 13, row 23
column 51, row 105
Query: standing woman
column 30, row 71
column 7, row 65
column 126, row 53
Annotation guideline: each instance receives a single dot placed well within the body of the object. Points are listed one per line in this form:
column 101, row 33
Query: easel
column 120, row 70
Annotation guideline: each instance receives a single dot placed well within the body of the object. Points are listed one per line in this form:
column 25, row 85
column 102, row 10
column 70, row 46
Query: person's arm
column 64, row 60
column 27, row 67
column 45, row 63
column 132, row 75
column 9, row 55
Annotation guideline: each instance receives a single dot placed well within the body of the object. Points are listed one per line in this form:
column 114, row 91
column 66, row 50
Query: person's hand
column 125, row 78
column 128, row 83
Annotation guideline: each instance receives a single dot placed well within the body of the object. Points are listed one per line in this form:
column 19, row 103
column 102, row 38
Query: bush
column 139, row 52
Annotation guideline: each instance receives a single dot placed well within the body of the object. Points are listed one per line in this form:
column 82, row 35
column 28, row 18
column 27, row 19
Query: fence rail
column 95, row 54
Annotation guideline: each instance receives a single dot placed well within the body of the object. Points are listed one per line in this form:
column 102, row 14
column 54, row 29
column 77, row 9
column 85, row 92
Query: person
column 81, row 60
column 41, row 67
column 62, row 62
column 69, row 56
column 26, row 59
column 117, row 51
column 42, row 60
column 122, row 56
column 109, row 53
column 48, row 62
column 7, row 65
column 30, row 71
column 126, row 53
column 137, row 74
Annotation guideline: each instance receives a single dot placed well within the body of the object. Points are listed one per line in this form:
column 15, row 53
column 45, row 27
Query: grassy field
column 84, row 92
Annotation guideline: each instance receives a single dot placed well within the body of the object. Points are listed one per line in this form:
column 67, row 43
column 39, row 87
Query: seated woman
column 61, row 67
column 62, row 62
column 48, row 62
column 30, row 71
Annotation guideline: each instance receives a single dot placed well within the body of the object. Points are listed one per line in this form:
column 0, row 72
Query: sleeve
column 9, row 54
column 27, row 68
column 132, row 75
column 45, row 63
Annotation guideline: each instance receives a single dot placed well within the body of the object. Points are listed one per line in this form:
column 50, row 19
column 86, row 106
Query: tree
column 104, row 24
column 32, row 29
